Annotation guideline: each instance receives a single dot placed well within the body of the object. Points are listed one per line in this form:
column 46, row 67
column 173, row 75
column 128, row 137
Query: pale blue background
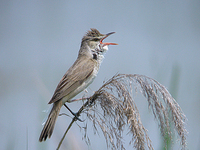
column 39, row 41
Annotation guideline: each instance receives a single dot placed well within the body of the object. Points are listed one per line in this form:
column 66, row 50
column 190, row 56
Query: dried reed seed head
column 120, row 111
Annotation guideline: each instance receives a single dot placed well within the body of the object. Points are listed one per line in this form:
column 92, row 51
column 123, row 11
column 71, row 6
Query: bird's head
column 94, row 40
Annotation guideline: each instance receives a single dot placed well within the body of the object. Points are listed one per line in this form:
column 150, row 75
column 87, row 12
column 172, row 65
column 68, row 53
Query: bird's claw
column 76, row 116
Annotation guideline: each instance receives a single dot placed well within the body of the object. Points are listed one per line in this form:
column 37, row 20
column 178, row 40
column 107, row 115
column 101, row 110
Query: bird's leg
column 75, row 114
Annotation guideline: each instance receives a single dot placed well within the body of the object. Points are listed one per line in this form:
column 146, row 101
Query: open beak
column 104, row 44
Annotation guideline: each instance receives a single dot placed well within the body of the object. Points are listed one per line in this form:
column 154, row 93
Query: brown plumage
column 69, row 83
column 78, row 77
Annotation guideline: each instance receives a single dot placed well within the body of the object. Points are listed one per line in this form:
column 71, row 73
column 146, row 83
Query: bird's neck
column 98, row 55
column 100, row 58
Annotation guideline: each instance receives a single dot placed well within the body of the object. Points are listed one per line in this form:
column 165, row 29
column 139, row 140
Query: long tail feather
column 50, row 123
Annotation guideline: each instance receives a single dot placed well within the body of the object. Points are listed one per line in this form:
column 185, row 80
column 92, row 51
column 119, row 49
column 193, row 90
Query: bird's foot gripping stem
column 74, row 114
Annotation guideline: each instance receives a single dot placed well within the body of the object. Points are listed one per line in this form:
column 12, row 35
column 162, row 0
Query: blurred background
column 39, row 41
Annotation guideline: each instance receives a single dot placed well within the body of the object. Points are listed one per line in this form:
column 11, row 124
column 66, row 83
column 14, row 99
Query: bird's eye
column 95, row 39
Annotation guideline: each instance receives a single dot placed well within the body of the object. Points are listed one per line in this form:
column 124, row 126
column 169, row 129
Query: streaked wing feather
column 73, row 78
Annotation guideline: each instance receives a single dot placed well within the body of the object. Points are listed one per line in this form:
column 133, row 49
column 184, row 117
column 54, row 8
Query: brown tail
column 50, row 123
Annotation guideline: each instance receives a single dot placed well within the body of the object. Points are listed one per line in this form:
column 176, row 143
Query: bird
column 78, row 77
